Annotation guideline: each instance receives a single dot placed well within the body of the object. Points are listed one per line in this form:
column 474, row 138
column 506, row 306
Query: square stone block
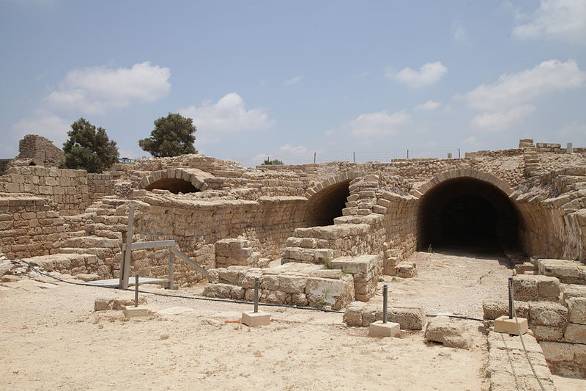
column 379, row 329
column 137, row 312
column 256, row 319
column 509, row 326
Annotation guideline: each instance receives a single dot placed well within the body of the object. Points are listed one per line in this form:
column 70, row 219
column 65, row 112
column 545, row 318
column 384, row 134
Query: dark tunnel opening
column 173, row 185
column 327, row 204
column 467, row 214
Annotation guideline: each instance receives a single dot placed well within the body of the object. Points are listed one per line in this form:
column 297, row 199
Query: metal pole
column 354, row 157
column 314, row 157
column 407, row 154
column 385, row 294
column 171, row 269
column 256, row 284
column 510, row 297
column 458, row 153
column 136, row 290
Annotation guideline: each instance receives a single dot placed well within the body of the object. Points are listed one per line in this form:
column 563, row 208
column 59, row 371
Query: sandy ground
column 51, row 339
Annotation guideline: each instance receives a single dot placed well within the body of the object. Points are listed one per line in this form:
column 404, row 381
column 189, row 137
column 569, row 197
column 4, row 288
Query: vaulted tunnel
column 469, row 214
column 173, row 185
column 324, row 206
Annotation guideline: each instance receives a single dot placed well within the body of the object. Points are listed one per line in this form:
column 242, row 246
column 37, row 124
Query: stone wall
column 28, row 226
column 69, row 191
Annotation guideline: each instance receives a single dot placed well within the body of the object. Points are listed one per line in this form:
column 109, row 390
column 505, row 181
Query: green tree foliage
column 274, row 162
column 89, row 148
column 173, row 135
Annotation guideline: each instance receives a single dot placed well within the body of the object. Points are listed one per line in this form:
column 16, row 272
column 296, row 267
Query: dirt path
column 51, row 339
column 449, row 283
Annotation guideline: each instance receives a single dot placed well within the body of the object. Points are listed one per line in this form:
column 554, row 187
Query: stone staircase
column 92, row 244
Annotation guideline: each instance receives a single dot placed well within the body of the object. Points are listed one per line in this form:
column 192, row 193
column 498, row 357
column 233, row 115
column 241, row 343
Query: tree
column 173, row 135
column 89, row 148
column 274, row 162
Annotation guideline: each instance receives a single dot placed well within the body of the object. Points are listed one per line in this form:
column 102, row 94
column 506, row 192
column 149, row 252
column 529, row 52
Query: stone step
column 331, row 232
column 90, row 228
column 99, row 252
column 568, row 272
column 321, row 256
column 68, row 263
column 111, row 219
column 90, row 241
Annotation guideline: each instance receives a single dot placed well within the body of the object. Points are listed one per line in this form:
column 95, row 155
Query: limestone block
column 256, row 319
column 548, row 333
column 568, row 272
column 379, row 329
column 291, row 284
column 577, row 309
column 548, row 314
column 575, row 333
column 137, row 312
column 218, row 290
column 323, row 292
column 406, row 269
column 409, row 318
column 353, row 315
column 511, row 326
column 447, row 332
column 389, row 264
column 525, row 288
column 299, row 299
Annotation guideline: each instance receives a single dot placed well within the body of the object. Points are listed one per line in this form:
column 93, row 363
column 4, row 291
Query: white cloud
column 294, row 80
column 97, row 89
column 44, row 124
column 556, row 19
column 430, row 105
column 512, row 90
column 428, row 74
column 501, row 120
column 229, row 114
column 378, row 123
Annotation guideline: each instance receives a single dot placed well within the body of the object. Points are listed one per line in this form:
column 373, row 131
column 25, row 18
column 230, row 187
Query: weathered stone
column 548, row 314
column 447, row 332
column 577, row 309
column 575, row 333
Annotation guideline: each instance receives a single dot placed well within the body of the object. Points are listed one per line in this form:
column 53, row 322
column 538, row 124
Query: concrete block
column 256, row 319
column 509, row 326
column 379, row 329
column 137, row 312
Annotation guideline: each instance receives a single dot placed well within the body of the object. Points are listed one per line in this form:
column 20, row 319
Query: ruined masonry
column 318, row 235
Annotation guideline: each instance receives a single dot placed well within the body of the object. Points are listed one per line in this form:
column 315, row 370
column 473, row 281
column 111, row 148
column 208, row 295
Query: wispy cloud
column 294, row 80
column 555, row 19
column 426, row 75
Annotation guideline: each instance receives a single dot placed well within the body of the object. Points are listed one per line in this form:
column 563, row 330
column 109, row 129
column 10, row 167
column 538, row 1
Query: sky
column 287, row 79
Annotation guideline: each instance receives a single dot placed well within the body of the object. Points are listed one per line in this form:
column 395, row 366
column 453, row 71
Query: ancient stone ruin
column 320, row 235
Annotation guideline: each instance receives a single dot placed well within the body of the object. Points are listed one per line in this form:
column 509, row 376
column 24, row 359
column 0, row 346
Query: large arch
column 467, row 209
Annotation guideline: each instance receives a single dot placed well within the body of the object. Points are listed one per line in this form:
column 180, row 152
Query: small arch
column 173, row 185
column 327, row 204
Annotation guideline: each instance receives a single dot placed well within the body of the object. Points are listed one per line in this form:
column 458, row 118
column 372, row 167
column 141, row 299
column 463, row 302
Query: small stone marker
column 255, row 318
column 379, row 329
column 511, row 324
column 382, row 328
column 137, row 312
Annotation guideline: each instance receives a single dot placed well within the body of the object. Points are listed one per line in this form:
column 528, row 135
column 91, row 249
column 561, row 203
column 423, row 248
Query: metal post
column 407, row 154
column 127, row 253
column 510, row 297
column 385, row 294
column 314, row 157
column 136, row 290
column 256, row 284
column 171, row 269
column 458, row 153
column 354, row 157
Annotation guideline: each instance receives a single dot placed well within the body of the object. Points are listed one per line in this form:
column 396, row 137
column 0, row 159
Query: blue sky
column 288, row 79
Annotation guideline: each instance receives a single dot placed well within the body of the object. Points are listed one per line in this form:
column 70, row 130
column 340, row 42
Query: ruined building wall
column 39, row 151
column 69, row 191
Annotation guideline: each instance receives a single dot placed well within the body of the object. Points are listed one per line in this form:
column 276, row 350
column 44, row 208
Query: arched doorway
column 467, row 213
column 327, row 204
